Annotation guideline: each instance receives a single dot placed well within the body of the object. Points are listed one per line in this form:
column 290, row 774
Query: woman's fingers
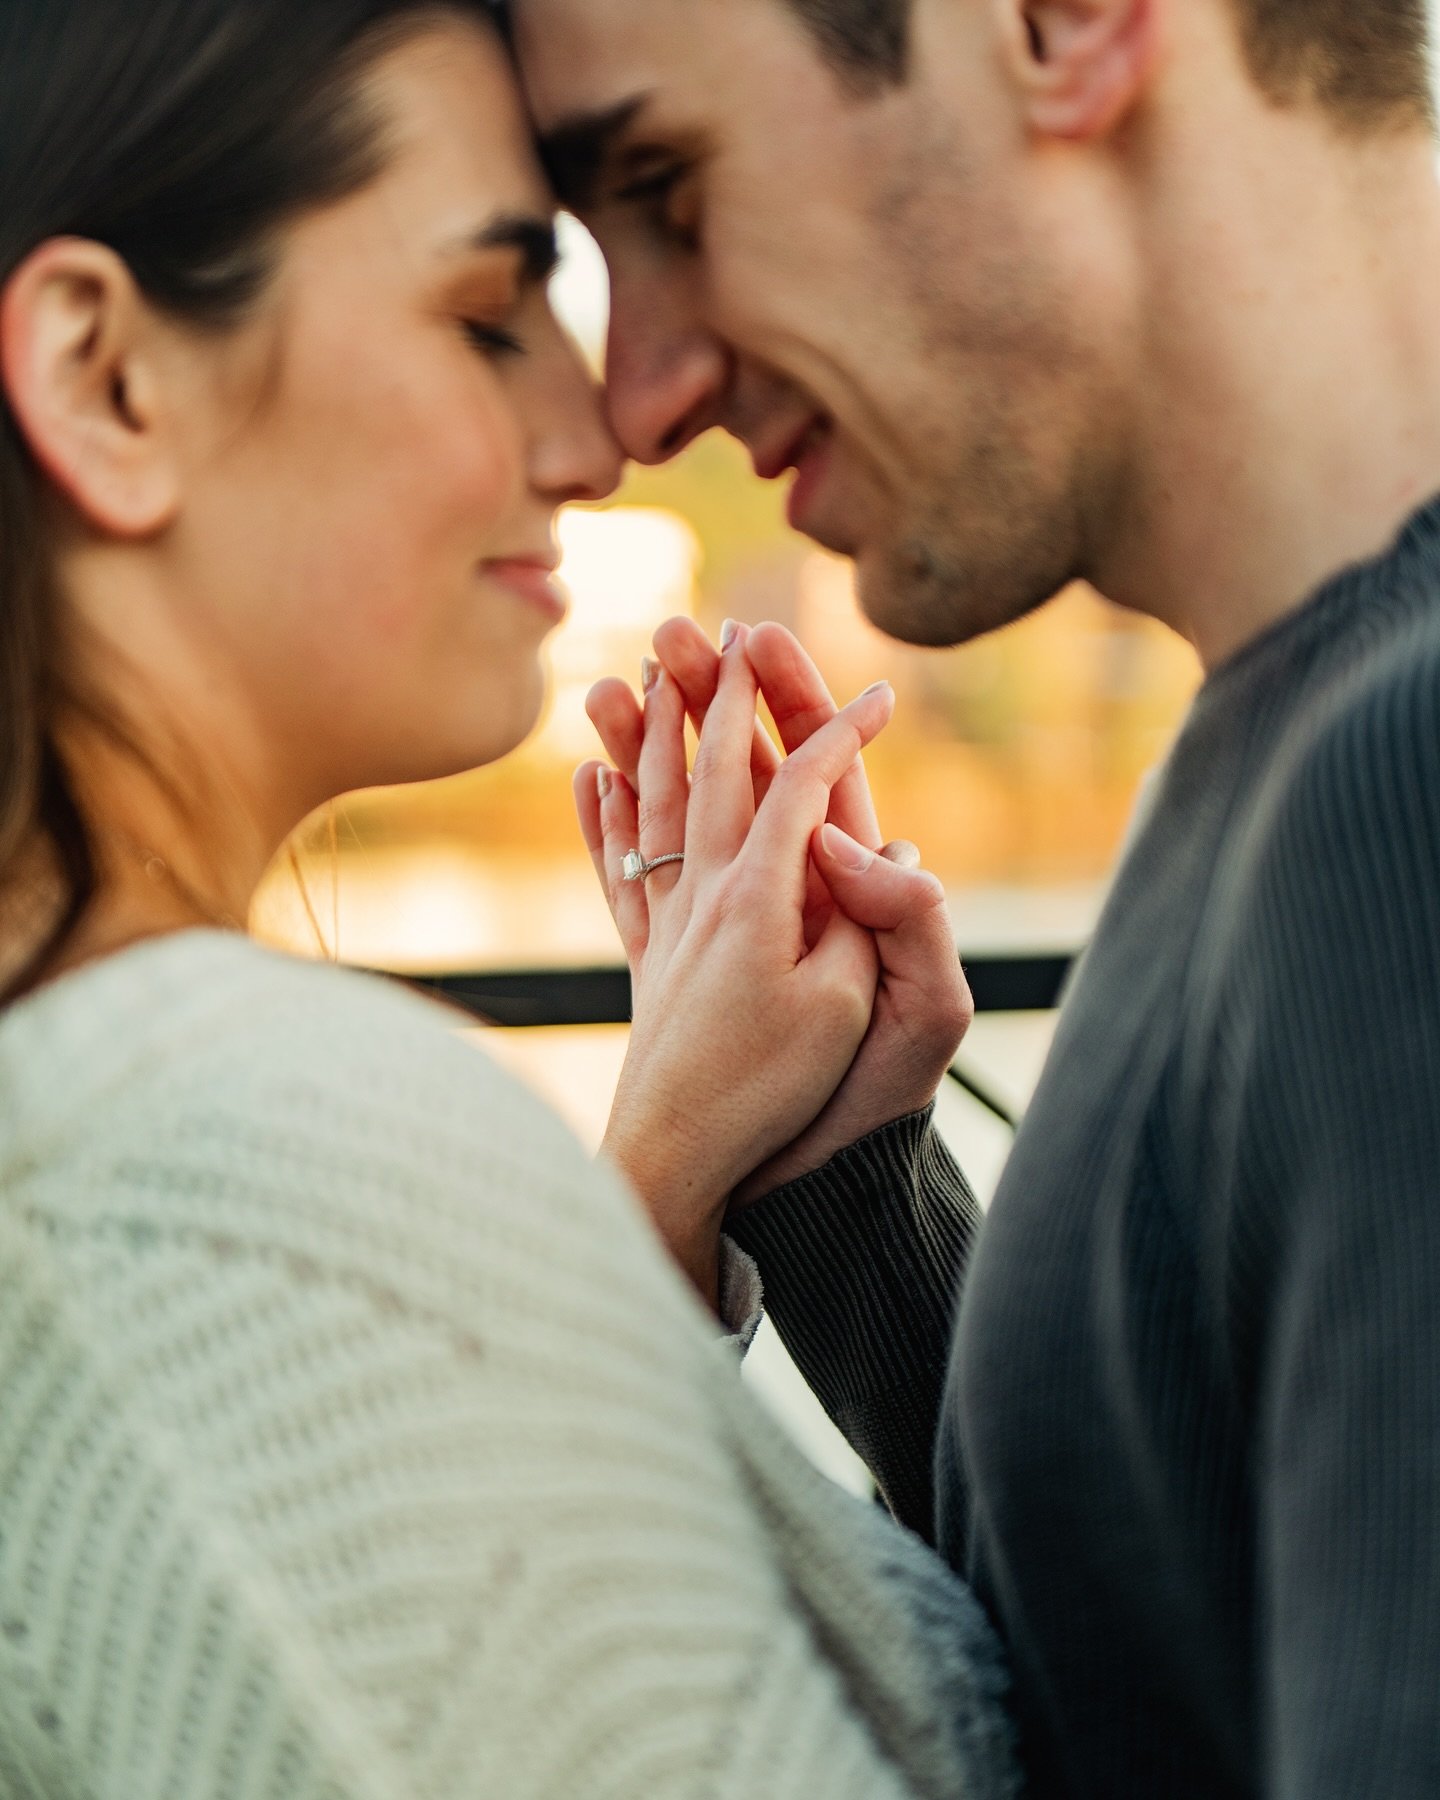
column 794, row 688
column 799, row 799
column 722, row 797
column 618, row 815
column 692, row 660
column 587, row 808
column 616, row 715
column 664, row 779
column 800, row 703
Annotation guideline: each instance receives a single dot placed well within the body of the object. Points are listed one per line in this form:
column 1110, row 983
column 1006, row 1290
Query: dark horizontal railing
column 540, row 997
column 559, row 997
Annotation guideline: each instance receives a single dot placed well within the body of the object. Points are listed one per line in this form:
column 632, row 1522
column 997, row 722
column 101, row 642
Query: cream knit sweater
column 356, row 1440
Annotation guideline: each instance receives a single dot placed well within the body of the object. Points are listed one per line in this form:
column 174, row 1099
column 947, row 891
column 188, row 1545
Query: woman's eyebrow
column 578, row 151
column 533, row 236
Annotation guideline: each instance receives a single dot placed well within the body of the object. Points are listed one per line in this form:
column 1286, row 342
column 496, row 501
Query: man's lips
column 811, row 467
column 771, row 463
column 808, row 451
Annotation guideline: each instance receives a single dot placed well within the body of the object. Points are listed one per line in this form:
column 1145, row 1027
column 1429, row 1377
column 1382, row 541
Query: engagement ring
column 635, row 867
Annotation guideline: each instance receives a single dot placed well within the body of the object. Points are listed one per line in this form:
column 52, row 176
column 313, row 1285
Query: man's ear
column 1081, row 66
column 77, row 359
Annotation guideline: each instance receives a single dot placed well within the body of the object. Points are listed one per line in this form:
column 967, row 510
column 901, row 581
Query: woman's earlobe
column 72, row 359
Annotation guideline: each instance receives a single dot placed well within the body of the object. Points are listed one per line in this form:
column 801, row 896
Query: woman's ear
column 79, row 362
column 1081, row 66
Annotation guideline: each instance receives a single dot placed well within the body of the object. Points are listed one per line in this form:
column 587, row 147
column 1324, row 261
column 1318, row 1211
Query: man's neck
column 1287, row 418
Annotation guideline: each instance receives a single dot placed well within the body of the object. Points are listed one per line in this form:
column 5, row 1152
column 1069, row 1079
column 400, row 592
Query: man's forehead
column 600, row 79
column 585, row 57
column 607, row 80
column 578, row 57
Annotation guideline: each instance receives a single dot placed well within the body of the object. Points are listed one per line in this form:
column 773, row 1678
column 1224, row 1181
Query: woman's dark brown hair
column 183, row 134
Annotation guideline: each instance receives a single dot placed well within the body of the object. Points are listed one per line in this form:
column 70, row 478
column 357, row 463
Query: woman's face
column 375, row 461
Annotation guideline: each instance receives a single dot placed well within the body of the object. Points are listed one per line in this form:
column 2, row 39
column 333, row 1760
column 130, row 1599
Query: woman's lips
column 532, row 580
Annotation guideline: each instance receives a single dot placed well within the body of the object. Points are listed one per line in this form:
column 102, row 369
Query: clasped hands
column 794, row 988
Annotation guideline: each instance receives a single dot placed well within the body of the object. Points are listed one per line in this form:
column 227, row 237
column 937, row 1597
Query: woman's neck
column 136, row 899
column 167, row 856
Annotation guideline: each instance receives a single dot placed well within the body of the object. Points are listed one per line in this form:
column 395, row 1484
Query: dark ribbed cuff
column 862, row 1262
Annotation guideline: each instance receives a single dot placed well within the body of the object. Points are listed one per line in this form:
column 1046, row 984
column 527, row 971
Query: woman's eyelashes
column 492, row 340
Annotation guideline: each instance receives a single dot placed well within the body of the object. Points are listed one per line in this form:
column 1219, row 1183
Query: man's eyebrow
column 577, row 151
column 528, row 233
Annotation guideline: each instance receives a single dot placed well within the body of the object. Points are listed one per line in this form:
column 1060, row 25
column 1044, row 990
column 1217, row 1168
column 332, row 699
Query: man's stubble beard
column 1003, row 447
column 993, row 539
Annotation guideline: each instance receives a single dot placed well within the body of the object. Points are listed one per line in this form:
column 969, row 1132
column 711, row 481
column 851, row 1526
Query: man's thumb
column 870, row 889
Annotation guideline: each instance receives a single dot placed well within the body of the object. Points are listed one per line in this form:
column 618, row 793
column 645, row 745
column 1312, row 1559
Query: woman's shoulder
column 206, row 1054
column 207, row 999
column 208, row 1110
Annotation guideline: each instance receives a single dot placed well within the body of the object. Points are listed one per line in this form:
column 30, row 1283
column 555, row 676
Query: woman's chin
column 482, row 735
column 522, row 727
column 496, row 753
column 505, row 729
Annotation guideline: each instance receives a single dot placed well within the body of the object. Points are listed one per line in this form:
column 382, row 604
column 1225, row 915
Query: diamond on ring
column 635, row 868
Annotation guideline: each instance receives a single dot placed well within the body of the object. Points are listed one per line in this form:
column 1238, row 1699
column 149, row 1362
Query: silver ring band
column 635, row 867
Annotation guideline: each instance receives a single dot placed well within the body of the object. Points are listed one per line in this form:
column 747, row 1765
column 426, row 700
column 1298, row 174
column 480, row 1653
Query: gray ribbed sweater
column 1189, row 1447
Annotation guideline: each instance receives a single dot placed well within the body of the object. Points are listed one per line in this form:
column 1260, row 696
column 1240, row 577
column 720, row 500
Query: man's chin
column 832, row 535
column 907, row 603
column 916, row 595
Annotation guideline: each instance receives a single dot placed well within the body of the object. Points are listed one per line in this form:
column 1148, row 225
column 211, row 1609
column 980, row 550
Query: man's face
column 861, row 287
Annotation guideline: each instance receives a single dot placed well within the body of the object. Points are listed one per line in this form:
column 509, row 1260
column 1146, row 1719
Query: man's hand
column 923, row 1006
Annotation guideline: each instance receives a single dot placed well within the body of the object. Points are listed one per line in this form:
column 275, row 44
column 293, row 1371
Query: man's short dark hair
column 1365, row 61
column 866, row 40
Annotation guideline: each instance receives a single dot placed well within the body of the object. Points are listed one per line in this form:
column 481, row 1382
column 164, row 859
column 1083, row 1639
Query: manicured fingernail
column 602, row 782
column 844, row 850
column 649, row 669
column 729, row 631
column 875, row 687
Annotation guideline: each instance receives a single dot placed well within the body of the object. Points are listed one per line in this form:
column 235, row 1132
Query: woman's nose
column 574, row 454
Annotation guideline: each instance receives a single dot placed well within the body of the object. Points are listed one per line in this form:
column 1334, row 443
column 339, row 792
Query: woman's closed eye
column 499, row 319
column 492, row 340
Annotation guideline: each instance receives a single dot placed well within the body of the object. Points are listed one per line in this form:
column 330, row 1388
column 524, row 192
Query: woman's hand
column 923, row 1006
column 744, row 1023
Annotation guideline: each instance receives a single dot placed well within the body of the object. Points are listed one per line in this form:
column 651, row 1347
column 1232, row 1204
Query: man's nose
column 665, row 381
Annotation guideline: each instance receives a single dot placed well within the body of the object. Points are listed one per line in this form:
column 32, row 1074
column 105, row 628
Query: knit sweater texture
column 357, row 1441
column 1189, row 1443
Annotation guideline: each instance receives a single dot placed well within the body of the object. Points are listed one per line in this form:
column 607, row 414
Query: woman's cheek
column 478, row 459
